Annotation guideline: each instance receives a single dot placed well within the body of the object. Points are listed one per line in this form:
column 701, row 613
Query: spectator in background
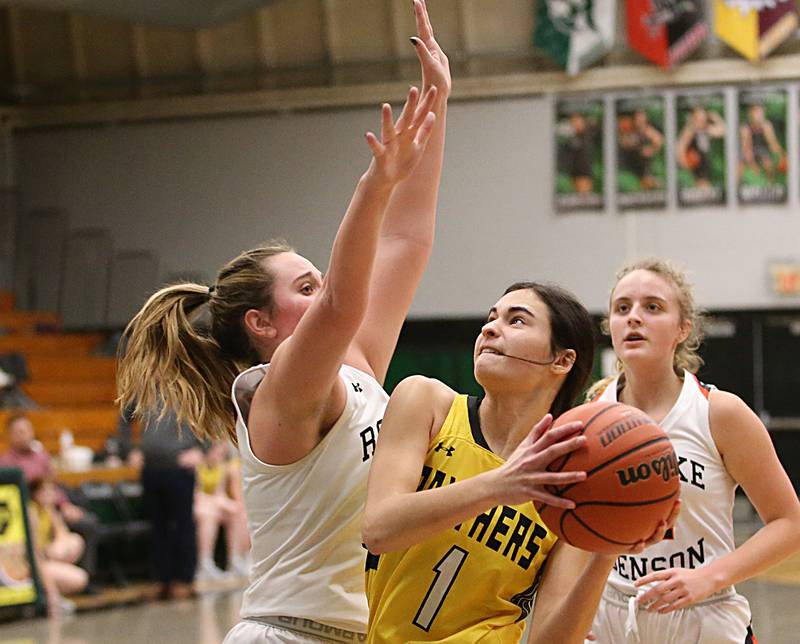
column 213, row 508
column 57, row 549
column 14, row 371
column 120, row 448
column 28, row 454
column 171, row 454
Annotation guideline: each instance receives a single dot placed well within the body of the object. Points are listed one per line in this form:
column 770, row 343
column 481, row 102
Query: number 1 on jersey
column 446, row 572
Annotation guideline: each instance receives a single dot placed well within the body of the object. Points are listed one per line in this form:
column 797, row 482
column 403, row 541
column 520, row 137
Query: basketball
column 625, row 124
column 632, row 479
column 692, row 159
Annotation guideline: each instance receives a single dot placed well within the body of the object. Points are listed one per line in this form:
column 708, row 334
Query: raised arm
column 716, row 127
column 772, row 139
column 397, row 516
column 682, row 145
column 300, row 397
column 406, row 237
column 656, row 140
column 746, row 139
column 750, row 459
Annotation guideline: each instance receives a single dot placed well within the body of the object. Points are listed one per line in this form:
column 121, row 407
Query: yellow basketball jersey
column 209, row 477
column 44, row 533
column 474, row 582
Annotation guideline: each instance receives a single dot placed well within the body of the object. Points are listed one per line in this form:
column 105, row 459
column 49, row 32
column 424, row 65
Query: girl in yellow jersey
column 457, row 548
column 213, row 507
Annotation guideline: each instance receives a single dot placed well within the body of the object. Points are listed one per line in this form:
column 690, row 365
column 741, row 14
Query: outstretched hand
column 402, row 143
column 434, row 62
column 524, row 476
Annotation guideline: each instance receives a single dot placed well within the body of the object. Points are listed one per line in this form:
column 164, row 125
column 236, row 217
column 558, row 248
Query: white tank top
column 305, row 518
column 704, row 529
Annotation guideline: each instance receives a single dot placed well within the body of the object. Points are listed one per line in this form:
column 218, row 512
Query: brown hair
column 187, row 344
column 570, row 328
column 686, row 353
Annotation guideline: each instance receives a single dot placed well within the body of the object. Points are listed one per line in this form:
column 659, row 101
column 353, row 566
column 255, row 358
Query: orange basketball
column 632, row 479
column 692, row 158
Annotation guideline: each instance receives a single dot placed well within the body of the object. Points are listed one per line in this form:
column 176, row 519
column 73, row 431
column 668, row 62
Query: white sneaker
column 208, row 571
column 240, row 566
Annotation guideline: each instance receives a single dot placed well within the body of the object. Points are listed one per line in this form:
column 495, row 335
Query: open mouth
column 489, row 350
column 634, row 337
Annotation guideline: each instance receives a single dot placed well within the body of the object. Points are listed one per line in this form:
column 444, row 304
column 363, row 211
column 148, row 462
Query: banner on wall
column 579, row 154
column 700, row 149
column 575, row 33
column 641, row 166
column 762, row 163
column 665, row 31
column 754, row 27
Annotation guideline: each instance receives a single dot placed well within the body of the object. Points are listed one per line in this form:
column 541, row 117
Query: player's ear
column 686, row 329
column 564, row 361
column 259, row 324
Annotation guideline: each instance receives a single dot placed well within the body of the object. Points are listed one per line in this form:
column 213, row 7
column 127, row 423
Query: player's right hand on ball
column 524, row 475
column 661, row 529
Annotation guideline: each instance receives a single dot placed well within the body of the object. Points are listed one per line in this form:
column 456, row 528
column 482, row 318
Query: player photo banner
column 575, row 33
column 754, row 27
column 700, row 149
column 641, row 166
column 579, row 154
column 665, row 31
column 762, row 160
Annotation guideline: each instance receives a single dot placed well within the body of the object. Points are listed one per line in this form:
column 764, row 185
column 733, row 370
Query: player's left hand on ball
column 661, row 530
column 675, row 588
column 525, row 477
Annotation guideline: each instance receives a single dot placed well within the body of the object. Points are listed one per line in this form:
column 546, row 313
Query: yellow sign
column 16, row 582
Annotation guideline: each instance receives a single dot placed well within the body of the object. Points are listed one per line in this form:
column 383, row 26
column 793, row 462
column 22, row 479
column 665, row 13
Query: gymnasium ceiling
column 73, row 61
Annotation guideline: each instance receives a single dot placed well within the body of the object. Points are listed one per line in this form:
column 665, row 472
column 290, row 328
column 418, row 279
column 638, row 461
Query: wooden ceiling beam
column 623, row 77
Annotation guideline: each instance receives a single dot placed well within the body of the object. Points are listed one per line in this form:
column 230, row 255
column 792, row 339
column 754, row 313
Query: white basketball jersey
column 704, row 529
column 305, row 518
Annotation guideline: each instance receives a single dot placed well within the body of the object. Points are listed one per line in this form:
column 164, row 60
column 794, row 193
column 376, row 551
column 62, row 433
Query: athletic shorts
column 717, row 620
column 294, row 631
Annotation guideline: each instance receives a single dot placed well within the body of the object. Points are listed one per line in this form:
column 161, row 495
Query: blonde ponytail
column 598, row 387
column 168, row 362
column 184, row 349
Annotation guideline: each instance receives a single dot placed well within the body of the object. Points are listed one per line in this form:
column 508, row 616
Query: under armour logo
column 357, row 387
column 447, row 450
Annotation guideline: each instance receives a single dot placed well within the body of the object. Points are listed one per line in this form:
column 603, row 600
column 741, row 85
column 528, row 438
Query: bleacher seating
column 90, row 426
column 50, row 344
column 27, row 322
column 75, row 389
